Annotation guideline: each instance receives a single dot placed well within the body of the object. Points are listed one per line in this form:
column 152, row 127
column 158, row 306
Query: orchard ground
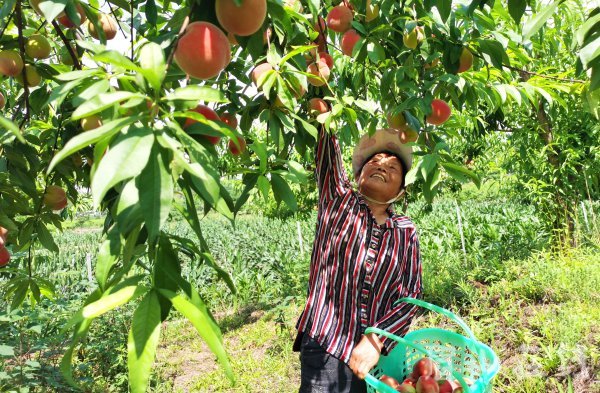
column 541, row 326
column 536, row 308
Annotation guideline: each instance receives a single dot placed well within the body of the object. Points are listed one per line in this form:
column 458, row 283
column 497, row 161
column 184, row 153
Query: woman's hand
column 365, row 355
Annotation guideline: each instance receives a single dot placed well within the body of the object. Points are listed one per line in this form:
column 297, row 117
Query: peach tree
column 212, row 89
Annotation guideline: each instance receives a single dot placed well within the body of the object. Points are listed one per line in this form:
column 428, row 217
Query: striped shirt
column 358, row 268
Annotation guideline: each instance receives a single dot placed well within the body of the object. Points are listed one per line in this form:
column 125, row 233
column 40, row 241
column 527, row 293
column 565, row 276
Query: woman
column 364, row 258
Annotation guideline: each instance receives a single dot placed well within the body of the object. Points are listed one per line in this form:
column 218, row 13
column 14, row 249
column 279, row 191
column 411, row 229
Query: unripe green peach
column 38, row 47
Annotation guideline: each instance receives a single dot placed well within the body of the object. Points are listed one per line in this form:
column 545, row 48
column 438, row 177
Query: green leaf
column 190, row 213
column 266, row 82
column 375, row 52
column 73, row 14
column 102, row 86
column 143, row 341
column 294, row 52
column 113, row 57
column 261, row 151
column 197, row 313
column 516, row 8
column 152, row 60
column 538, row 20
column 60, row 93
column 45, row 238
column 249, row 182
column 19, row 295
column 444, row 7
column 590, row 52
column 7, row 351
column 592, row 102
column 108, row 254
column 91, row 137
column 52, row 8
column 205, row 178
column 264, row 187
column 151, row 12
column 103, row 101
column 493, row 52
column 10, row 127
column 590, row 25
column 298, row 171
column 197, row 93
column 73, row 75
column 124, row 4
column 126, row 158
column 282, row 191
column 79, row 334
column 166, row 273
column 155, row 185
column 459, row 172
column 111, row 299
column 428, row 164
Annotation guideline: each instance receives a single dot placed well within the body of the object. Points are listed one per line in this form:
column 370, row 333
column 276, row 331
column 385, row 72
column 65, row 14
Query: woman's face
column 381, row 177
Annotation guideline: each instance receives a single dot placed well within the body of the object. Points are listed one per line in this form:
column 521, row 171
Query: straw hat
column 383, row 140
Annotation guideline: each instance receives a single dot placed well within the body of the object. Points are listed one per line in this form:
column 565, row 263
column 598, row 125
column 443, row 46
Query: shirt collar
column 391, row 222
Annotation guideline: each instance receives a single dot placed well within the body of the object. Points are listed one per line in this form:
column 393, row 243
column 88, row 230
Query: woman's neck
column 378, row 211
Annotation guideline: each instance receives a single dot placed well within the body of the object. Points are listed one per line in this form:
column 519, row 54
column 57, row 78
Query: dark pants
column 323, row 373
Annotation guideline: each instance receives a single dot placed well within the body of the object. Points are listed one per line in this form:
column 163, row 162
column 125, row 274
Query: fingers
column 359, row 367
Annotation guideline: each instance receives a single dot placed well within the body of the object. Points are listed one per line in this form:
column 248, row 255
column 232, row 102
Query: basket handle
column 458, row 320
column 439, row 310
column 384, row 388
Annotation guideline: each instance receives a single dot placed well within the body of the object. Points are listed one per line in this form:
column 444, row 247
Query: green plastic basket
column 458, row 356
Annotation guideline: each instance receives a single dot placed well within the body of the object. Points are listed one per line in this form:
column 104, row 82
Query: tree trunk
column 564, row 226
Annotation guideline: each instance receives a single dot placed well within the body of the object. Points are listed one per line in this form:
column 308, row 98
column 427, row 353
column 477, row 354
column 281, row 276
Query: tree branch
column 64, row 39
column 112, row 11
column 186, row 21
column 19, row 22
column 530, row 73
column 7, row 23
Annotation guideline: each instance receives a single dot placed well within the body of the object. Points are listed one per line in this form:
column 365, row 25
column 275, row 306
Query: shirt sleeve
column 397, row 320
column 332, row 180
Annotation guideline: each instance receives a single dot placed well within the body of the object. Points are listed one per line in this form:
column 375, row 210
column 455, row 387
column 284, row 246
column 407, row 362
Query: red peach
column 234, row 149
column 203, row 51
column 349, row 40
column 243, row 20
column 339, row 18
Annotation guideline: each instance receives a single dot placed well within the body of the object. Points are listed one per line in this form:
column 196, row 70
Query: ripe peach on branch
column 239, row 148
column 108, row 25
column 321, row 73
column 339, row 19
column 4, row 256
column 203, row 50
column 55, row 198
column 258, row 71
column 229, row 119
column 64, row 19
column 11, row 63
column 243, row 20
column 349, row 40
column 440, row 112
column 318, row 106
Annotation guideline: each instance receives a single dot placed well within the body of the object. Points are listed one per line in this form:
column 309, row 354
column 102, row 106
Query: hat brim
column 385, row 139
